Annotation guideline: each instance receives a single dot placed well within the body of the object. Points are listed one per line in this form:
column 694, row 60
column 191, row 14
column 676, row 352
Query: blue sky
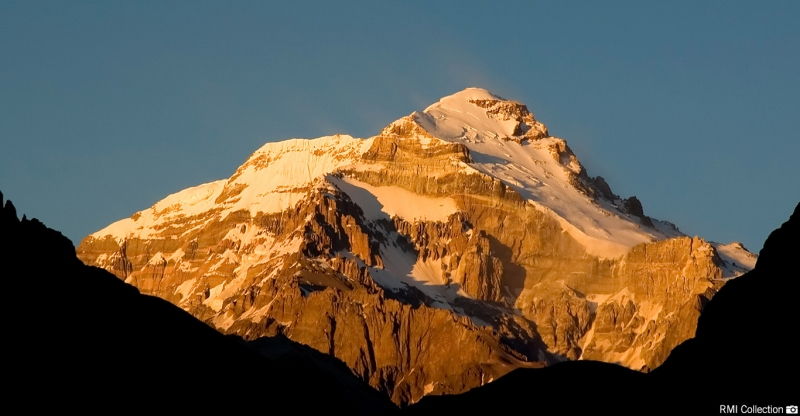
column 105, row 107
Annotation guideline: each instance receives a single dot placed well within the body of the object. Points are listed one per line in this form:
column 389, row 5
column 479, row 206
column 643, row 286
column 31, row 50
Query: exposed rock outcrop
column 735, row 358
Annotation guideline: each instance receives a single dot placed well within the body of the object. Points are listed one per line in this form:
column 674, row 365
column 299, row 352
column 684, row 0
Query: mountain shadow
column 743, row 354
column 79, row 338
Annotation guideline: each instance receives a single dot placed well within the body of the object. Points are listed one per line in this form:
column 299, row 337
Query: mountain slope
column 464, row 222
column 735, row 359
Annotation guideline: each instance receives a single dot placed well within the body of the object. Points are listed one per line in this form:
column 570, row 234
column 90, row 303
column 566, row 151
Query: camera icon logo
column 791, row 410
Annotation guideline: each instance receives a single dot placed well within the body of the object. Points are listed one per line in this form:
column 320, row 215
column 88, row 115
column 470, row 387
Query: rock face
column 733, row 358
column 457, row 244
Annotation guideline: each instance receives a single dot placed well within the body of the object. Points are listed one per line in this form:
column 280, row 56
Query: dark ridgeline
column 80, row 337
column 743, row 354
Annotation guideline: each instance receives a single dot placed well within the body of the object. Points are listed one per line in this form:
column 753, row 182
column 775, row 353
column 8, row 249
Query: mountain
column 92, row 340
column 740, row 356
column 459, row 243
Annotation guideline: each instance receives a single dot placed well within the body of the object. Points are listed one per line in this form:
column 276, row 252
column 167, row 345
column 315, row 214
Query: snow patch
column 736, row 259
column 276, row 176
column 403, row 269
column 157, row 259
column 379, row 201
column 176, row 256
column 188, row 202
column 214, row 301
column 455, row 117
column 185, row 289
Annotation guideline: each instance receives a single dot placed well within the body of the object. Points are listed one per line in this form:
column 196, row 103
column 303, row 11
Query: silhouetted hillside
column 743, row 354
column 79, row 337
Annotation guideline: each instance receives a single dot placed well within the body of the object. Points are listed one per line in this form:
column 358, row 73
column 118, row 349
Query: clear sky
column 108, row 106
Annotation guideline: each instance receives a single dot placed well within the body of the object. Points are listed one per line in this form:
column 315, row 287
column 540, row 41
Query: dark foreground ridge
column 744, row 354
column 80, row 337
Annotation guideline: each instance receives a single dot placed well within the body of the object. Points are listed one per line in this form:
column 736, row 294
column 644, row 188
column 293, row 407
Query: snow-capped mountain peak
column 505, row 141
column 465, row 220
column 475, row 114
